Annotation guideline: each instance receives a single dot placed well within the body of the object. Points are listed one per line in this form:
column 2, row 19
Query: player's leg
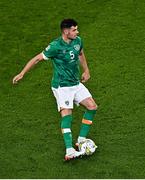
column 84, row 98
column 64, row 98
column 66, row 122
column 88, row 117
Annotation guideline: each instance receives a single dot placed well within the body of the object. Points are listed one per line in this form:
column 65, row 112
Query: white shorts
column 67, row 96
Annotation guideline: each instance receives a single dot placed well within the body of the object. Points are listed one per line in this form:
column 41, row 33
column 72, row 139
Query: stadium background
column 113, row 32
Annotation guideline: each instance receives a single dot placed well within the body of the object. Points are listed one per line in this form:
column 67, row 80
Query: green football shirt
column 65, row 59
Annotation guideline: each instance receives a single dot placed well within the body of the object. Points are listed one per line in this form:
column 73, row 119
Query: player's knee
column 92, row 106
column 65, row 112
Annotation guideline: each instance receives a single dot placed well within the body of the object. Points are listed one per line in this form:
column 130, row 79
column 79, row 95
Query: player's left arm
column 86, row 74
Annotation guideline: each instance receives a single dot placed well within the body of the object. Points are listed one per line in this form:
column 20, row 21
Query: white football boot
column 71, row 153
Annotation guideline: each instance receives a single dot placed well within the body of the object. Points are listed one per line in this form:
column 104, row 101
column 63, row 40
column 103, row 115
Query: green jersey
column 65, row 59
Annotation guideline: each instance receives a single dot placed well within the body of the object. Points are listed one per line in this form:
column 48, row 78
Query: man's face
column 72, row 32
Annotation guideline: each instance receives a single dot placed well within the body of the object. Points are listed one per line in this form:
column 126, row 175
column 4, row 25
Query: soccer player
column 66, row 53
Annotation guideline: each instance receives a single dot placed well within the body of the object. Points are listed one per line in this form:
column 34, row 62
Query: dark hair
column 68, row 23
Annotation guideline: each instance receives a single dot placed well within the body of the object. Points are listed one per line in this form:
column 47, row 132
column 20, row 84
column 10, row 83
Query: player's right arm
column 49, row 52
column 27, row 67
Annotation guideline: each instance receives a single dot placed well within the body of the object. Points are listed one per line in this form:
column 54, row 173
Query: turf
column 31, row 145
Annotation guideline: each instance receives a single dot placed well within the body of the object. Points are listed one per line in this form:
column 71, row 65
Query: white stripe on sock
column 66, row 130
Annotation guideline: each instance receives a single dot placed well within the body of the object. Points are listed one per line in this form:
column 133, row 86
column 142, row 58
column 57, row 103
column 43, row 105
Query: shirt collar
column 65, row 43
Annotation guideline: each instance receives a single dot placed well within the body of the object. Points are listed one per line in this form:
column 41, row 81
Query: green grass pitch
column 113, row 32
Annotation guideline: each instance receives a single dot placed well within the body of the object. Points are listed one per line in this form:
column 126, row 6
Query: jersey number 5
column 71, row 54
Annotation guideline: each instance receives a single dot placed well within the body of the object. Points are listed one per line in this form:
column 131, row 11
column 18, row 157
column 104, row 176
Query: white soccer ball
column 87, row 146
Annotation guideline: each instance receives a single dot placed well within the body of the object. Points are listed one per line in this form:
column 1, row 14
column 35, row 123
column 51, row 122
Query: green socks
column 66, row 130
column 66, row 127
column 86, row 122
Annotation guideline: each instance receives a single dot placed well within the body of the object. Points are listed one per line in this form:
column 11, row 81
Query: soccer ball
column 87, row 146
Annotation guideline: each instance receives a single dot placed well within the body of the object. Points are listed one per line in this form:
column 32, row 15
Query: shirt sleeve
column 80, row 43
column 49, row 52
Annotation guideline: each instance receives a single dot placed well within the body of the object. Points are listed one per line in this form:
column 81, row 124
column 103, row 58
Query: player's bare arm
column 28, row 66
column 86, row 74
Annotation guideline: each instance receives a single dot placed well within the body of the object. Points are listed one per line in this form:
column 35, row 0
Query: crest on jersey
column 77, row 47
